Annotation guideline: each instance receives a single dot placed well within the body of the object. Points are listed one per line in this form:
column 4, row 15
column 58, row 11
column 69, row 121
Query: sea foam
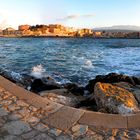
column 38, row 71
column 88, row 64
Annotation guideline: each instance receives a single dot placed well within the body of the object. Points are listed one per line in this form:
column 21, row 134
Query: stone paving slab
column 101, row 119
column 134, row 121
column 64, row 118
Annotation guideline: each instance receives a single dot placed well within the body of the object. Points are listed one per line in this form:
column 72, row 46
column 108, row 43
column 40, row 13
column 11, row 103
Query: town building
column 84, row 32
column 24, row 27
column 9, row 31
column 0, row 32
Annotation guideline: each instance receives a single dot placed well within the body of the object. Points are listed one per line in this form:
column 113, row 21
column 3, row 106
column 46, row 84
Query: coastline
column 74, row 95
column 67, row 37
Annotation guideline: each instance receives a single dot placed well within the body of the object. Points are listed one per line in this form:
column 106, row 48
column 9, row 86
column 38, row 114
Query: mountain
column 124, row 28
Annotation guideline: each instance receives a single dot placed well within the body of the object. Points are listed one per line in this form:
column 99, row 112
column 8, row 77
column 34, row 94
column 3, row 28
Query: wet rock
column 75, row 89
column 7, row 75
column 88, row 104
column 112, row 78
column 38, row 85
column 115, row 99
column 21, row 80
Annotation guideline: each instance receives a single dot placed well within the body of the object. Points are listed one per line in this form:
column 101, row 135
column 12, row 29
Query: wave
column 38, row 71
column 88, row 64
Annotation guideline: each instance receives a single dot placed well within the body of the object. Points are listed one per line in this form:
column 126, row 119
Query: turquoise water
column 70, row 59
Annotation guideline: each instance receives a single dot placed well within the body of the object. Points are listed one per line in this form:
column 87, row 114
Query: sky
column 74, row 13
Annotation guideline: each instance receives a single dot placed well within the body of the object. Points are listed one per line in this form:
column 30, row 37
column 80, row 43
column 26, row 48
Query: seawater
column 69, row 59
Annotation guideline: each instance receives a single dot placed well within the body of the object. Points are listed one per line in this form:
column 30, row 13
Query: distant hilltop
column 122, row 28
column 57, row 30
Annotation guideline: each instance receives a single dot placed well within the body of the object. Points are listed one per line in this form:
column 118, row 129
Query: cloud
column 70, row 17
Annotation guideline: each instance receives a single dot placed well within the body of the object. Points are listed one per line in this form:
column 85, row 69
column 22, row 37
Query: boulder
column 135, row 90
column 112, row 78
column 61, row 96
column 115, row 99
column 38, row 85
column 136, row 93
column 75, row 89
column 22, row 80
column 62, row 91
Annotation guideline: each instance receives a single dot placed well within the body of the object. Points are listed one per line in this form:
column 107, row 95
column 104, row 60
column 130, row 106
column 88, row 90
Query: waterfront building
column 23, row 27
column 9, row 31
column 0, row 32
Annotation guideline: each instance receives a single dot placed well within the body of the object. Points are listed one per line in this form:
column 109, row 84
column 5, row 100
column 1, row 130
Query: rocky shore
column 112, row 93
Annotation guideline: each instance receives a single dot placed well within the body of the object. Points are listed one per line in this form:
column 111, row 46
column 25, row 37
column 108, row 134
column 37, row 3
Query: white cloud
column 76, row 16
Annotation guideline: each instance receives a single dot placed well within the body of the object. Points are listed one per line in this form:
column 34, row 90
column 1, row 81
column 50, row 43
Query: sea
column 69, row 59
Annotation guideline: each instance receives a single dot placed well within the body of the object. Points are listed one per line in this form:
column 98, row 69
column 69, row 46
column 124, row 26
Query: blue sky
column 77, row 13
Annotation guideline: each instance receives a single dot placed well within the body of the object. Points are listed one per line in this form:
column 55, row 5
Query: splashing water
column 38, row 71
column 88, row 64
column 16, row 75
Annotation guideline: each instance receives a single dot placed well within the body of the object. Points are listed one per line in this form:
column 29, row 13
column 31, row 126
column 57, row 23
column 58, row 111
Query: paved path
column 20, row 120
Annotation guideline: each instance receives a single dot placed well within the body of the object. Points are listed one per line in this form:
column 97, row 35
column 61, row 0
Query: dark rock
column 103, row 110
column 7, row 75
column 23, row 80
column 136, row 80
column 75, row 89
column 112, row 78
column 38, row 85
column 88, row 103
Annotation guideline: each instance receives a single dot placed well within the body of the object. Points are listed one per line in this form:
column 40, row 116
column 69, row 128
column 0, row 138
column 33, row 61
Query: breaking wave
column 38, row 71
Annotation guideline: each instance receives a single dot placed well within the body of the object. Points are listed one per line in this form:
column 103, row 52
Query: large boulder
column 115, row 99
column 135, row 90
column 112, row 78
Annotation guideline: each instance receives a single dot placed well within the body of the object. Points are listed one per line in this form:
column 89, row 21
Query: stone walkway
column 22, row 121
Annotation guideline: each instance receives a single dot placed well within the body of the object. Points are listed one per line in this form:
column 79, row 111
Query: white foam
column 88, row 64
column 38, row 71
column 16, row 75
